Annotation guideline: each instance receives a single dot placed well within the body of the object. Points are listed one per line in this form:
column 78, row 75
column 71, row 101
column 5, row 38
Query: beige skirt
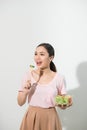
column 37, row 118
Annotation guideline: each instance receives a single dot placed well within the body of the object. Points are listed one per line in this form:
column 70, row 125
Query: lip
column 39, row 63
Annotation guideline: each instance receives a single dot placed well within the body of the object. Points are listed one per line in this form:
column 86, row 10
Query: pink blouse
column 44, row 94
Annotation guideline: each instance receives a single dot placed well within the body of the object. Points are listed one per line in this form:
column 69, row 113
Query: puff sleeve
column 61, row 85
column 26, row 77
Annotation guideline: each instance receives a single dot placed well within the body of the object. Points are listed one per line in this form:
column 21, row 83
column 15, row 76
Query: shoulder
column 60, row 76
column 27, row 75
column 57, row 75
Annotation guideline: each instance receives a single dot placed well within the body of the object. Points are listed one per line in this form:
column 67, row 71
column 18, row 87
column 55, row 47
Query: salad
column 63, row 99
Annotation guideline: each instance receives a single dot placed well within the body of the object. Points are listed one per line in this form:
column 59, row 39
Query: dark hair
column 51, row 52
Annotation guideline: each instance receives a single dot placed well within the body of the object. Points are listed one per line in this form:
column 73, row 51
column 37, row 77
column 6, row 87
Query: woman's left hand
column 64, row 106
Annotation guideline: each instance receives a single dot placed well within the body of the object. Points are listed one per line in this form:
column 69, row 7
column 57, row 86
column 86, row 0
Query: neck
column 44, row 71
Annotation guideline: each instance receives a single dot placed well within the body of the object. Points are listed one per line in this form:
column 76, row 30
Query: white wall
column 23, row 25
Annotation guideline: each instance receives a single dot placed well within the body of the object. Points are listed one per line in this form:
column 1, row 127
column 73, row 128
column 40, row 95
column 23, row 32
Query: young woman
column 41, row 85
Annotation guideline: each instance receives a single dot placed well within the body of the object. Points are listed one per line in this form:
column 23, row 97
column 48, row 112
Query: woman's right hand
column 22, row 95
column 27, row 87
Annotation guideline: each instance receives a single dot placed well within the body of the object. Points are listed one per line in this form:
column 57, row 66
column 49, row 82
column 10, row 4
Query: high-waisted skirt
column 37, row 118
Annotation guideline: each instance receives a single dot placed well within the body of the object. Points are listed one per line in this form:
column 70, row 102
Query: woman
column 41, row 85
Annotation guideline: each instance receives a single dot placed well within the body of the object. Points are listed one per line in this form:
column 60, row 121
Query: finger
column 27, row 87
column 70, row 104
column 28, row 83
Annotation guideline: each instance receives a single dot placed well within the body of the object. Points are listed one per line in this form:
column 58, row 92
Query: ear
column 51, row 58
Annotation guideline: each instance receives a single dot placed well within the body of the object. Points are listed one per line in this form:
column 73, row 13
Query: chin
column 40, row 67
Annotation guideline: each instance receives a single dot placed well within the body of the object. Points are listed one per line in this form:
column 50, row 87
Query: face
column 42, row 58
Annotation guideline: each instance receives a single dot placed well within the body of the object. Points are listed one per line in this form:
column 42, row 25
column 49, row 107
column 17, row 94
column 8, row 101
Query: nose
column 37, row 57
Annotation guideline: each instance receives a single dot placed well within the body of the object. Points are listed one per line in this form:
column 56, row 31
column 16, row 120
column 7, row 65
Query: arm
column 22, row 95
column 63, row 97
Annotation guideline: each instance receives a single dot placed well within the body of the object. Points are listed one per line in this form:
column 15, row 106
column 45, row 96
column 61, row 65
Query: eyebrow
column 39, row 52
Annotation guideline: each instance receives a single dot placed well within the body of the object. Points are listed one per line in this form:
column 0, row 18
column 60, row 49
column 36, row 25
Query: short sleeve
column 26, row 77
column 61, row 85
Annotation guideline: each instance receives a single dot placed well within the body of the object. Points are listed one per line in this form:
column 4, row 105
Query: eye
column 42, row 54
column 35, row 53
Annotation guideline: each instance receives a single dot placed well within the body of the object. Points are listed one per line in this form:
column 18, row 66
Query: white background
column 23, row 25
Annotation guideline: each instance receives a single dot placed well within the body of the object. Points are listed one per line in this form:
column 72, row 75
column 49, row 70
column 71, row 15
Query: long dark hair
column 51, row 52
